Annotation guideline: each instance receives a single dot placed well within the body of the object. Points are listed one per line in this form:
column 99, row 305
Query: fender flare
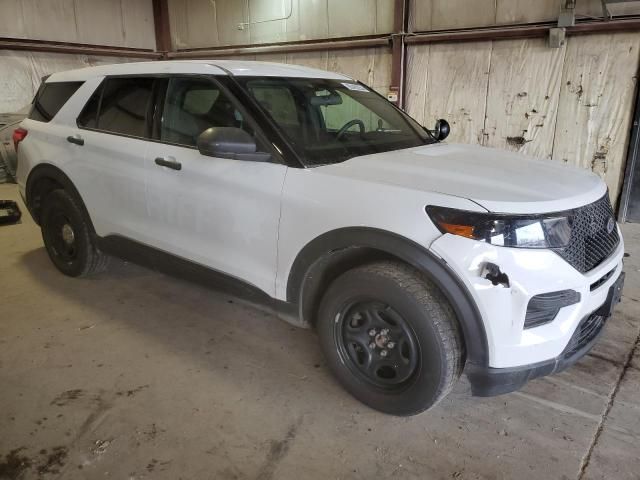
column 345, row 248
column 51, row 172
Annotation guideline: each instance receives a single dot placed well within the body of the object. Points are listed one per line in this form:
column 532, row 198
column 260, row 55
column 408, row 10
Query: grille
column 585, row 333
column 590, row 242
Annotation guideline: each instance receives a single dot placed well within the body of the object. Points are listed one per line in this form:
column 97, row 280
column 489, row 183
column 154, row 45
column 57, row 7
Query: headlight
column 524, row 231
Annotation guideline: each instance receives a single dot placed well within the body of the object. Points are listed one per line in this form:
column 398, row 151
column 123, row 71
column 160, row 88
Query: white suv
column 413, row 259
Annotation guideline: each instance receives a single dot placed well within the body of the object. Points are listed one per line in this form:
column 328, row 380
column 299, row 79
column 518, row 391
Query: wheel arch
column 45, row 178
column 333, row 253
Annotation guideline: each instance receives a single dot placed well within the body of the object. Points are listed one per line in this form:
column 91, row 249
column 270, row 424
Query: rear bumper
column 488, row 381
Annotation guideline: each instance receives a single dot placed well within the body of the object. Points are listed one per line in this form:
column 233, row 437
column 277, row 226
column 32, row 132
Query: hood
column 498, row 180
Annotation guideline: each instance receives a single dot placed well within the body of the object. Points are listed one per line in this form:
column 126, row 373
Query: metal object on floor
column 9, row 212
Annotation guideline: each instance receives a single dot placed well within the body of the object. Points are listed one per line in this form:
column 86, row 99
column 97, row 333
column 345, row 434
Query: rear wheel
column 67, row 238
column 391, row 338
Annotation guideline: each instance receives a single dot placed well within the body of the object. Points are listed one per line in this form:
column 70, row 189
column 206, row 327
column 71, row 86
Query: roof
column 211, row 67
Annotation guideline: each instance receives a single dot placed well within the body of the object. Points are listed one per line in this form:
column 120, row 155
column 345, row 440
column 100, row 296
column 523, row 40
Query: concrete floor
column 133, row 374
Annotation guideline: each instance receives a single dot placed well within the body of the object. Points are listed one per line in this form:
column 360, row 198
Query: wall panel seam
column 486, row 97
column 555, row 125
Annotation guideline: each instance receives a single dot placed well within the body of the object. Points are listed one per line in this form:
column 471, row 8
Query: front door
column 217, row 212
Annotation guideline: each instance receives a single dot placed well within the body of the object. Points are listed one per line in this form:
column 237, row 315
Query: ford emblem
column 611, row 224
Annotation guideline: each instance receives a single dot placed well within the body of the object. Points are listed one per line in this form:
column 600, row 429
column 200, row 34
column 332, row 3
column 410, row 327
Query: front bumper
column 530, row 272
column 487, row 381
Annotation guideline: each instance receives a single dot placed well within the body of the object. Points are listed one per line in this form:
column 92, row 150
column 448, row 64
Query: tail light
column 19, row 134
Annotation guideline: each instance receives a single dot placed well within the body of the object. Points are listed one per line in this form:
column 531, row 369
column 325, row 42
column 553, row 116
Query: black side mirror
column 441, row 130
column 230, row 142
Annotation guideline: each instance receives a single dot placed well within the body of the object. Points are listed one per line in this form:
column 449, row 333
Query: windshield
column 330, row 121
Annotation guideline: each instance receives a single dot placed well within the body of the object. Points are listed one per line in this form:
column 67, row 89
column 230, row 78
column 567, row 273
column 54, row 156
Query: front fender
column 334, row 252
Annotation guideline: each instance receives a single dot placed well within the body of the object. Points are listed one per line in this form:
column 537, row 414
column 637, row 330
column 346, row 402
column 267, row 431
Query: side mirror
column 230, row 142
column 441, row 130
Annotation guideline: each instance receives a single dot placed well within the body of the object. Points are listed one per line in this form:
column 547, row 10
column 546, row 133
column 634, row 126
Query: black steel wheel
column 67, row 236
column 61, row 237
column 377, row 344
column 390, row 337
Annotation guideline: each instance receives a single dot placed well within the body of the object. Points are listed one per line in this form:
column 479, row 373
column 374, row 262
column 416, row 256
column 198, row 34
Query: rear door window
column 50, row 99
column 125, row 106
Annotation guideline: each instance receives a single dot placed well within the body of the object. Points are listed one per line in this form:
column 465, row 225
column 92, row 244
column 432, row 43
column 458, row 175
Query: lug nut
column 383, row 353
column 372, row 332
column 372, row 345
column 384, row 331
column 391, row 345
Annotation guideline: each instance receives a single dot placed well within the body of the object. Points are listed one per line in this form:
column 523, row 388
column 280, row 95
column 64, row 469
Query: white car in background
column 414, row 260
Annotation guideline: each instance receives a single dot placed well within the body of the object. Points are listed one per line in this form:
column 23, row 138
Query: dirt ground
column 133, row 374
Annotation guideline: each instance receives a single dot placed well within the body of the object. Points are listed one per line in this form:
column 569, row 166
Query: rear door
column 109, row 147
column 219, row 212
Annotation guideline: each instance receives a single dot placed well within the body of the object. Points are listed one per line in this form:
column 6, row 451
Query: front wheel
column 391, row 338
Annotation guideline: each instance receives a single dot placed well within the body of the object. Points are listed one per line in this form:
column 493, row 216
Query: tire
column 424, row 347
column 67, row 237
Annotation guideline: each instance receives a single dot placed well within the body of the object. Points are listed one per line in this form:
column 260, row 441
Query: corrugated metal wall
column 369, row 65
column 21, row 73
column 210, row 23
column 428, row 15
column 572, row 104
column 120, row 23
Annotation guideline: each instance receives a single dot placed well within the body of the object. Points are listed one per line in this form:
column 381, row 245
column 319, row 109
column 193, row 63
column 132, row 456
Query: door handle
column 169, row 163
column 77, row 139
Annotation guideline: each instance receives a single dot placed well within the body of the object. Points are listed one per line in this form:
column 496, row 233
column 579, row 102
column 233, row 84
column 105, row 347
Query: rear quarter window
column 50, row 99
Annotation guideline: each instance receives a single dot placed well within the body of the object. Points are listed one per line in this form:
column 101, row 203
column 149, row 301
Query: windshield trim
column 413, row 123
column 270, row 129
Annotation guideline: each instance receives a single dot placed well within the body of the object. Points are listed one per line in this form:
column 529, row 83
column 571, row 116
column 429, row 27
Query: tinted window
column 279, row 102
column 50, row 99
column 124, row 106
column 193, row 105
column 329, row 121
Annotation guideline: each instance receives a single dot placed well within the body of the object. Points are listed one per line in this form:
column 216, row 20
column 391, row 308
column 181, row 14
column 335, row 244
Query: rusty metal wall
column 572, row 104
